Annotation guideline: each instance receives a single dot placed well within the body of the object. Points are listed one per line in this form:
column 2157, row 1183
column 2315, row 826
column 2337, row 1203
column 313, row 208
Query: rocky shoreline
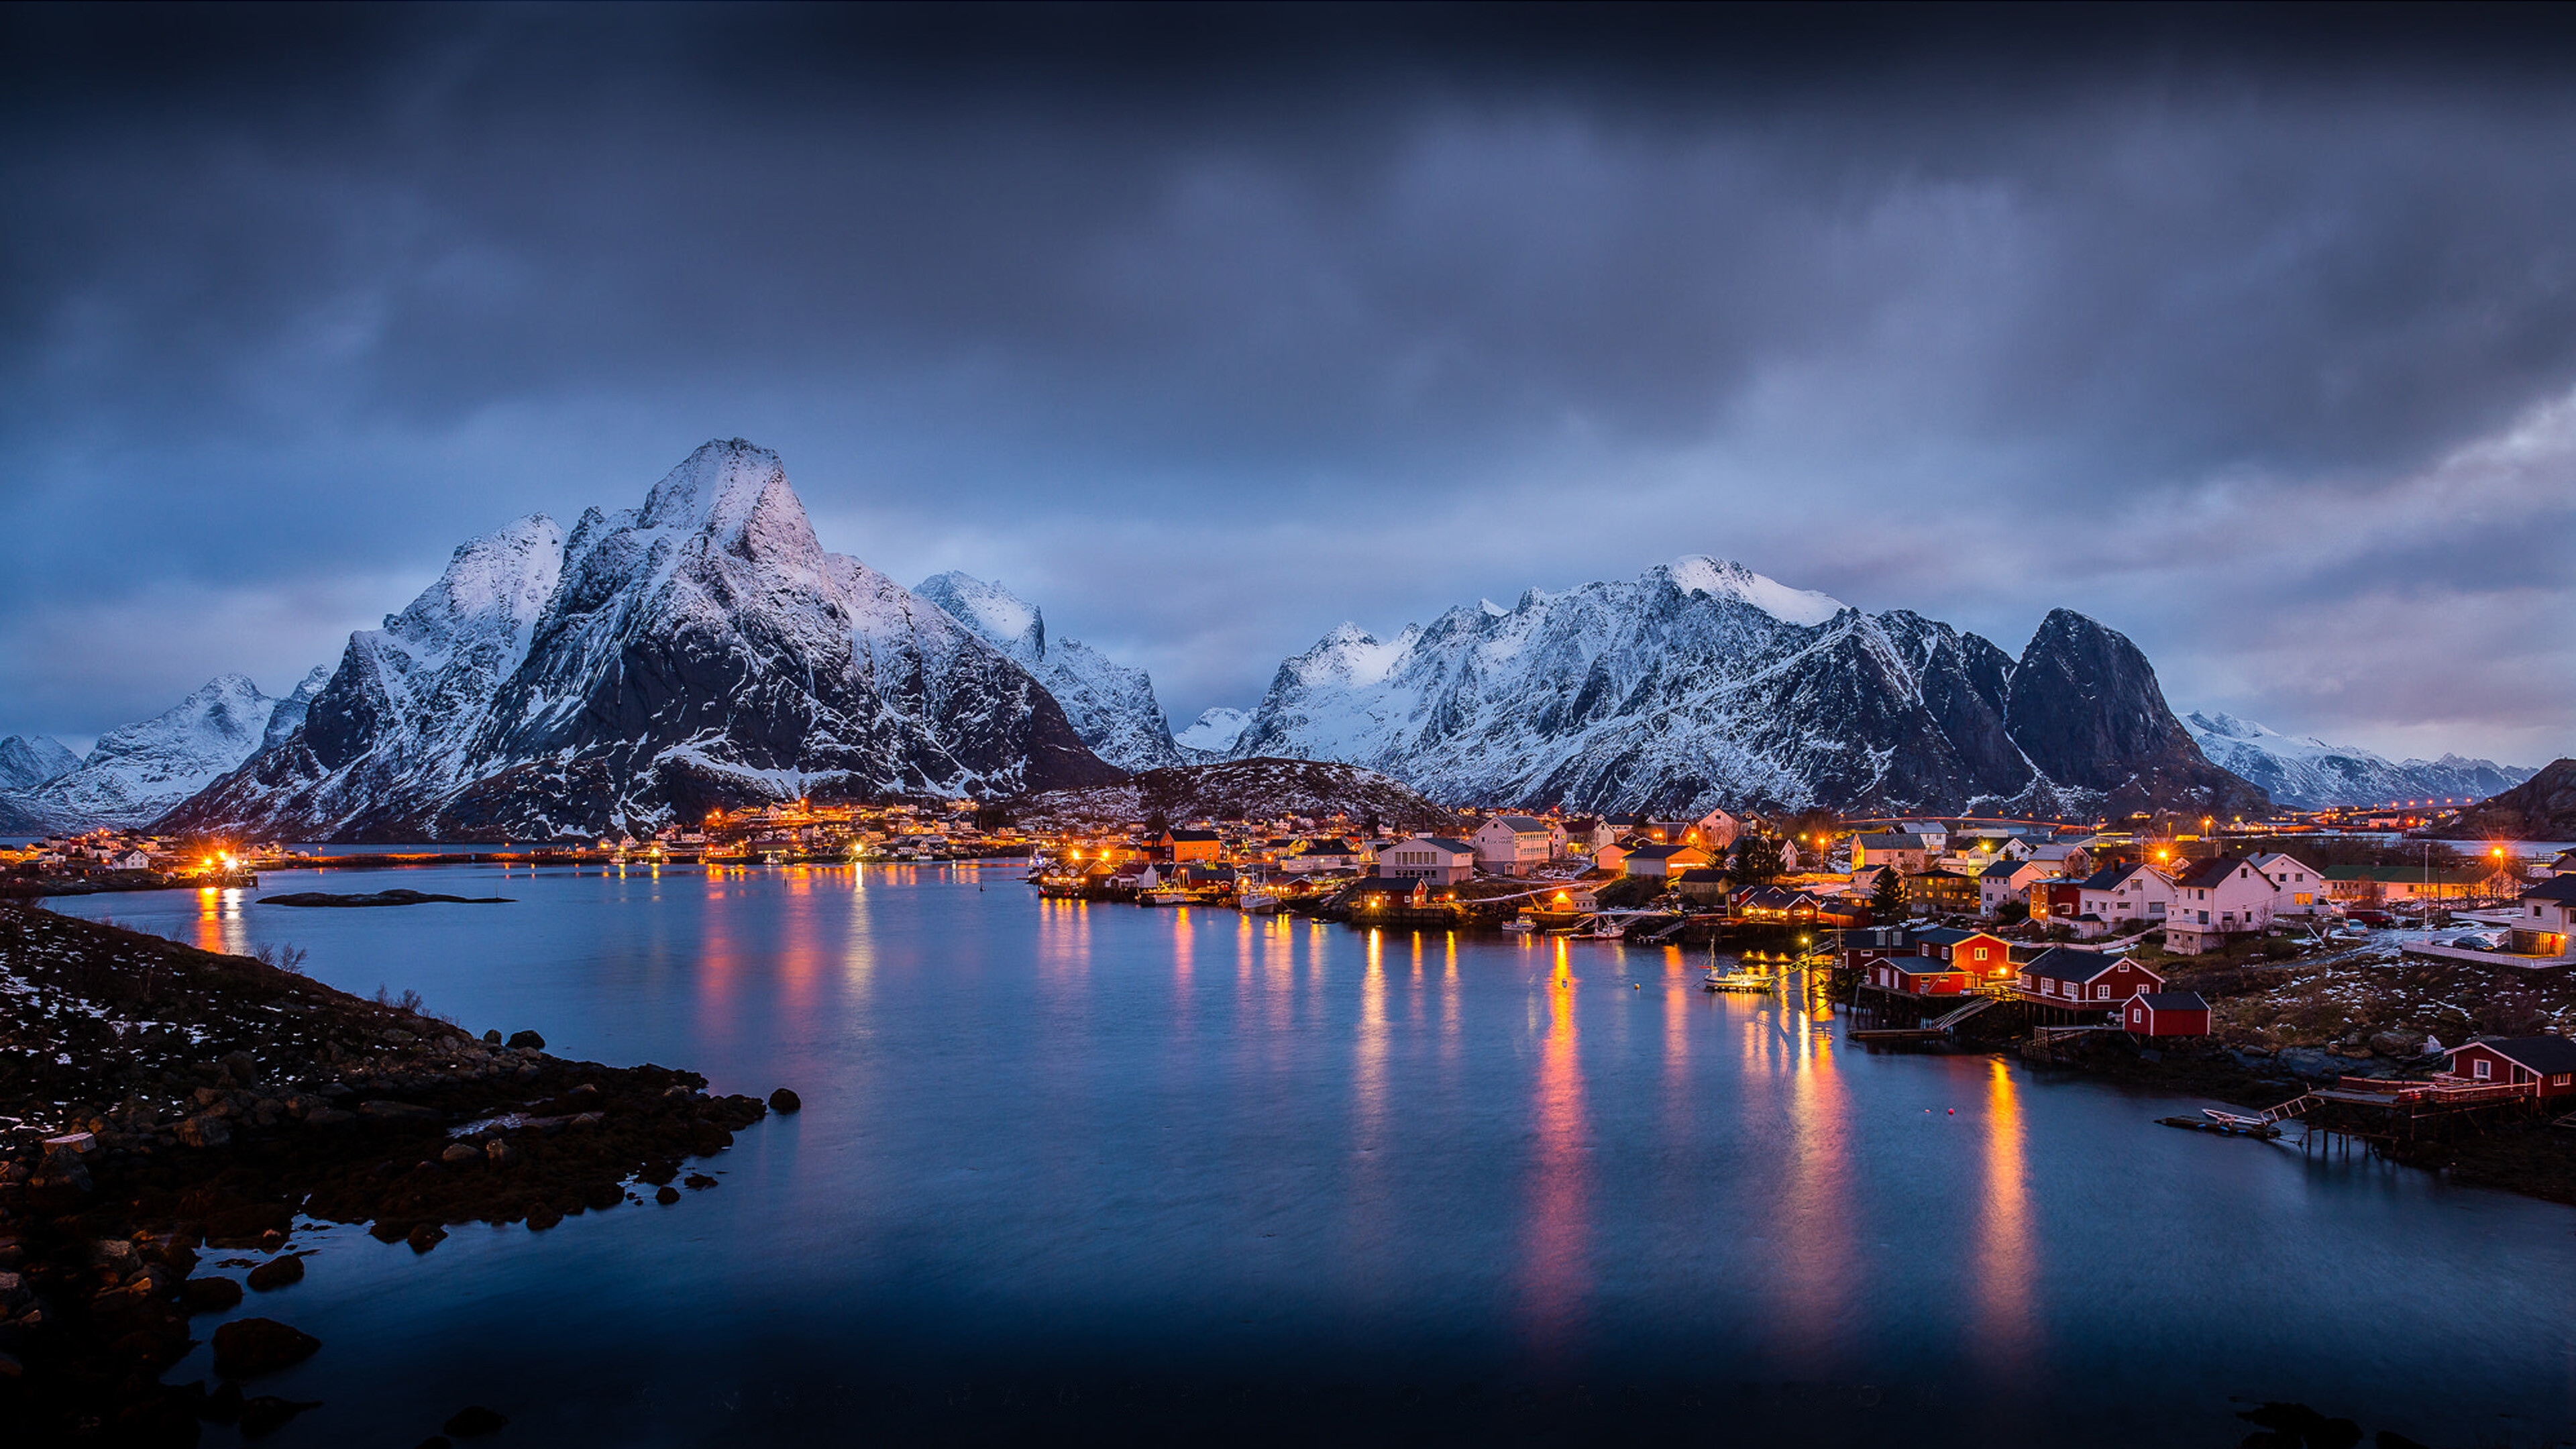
column 157, row 1100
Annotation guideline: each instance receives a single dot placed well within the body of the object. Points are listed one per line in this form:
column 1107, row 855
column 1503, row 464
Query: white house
column 2303, row 887
column 1515, row 844
column 2125, row 893
column 1434, row 858
column 1905, row 852
column 2005, row 882
column 2217, row 899
column 1714, row 832
column 1323, row 855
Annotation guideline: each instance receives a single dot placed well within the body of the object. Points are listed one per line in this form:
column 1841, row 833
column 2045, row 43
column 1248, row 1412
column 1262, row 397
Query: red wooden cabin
column 2166, row 1013
column 2544, row 1064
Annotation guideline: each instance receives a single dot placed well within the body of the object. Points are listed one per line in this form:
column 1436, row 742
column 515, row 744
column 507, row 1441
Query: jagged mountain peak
column 1702, row 682
column 1726, row 579
column 27, row 761
column 1110, row 705
column 990, row 609
column 700, row 650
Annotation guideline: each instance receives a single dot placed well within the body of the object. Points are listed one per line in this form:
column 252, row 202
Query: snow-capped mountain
column 2310, row 774
column 1702, row 682
column 1213, row 733
column 1110, row 705
column 27, row 761
column 134, row 774
column 701, row 650
column 289, row 714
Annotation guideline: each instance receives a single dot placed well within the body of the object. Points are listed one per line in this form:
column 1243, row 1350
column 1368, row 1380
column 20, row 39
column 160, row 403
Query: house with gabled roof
column 1439, row 859
column 2124, row 893
column 2218, row 899
column 2064, row 976
column 1870, row 852
column 2007, row 881
column 2166, row 1013
column 1659, row 860
column 2303, row 886
column 2545, row 1066
column 1516, row 844
column 1988, row 958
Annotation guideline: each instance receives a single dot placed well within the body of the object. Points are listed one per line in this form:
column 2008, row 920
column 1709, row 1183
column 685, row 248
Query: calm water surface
column 1052, row 1151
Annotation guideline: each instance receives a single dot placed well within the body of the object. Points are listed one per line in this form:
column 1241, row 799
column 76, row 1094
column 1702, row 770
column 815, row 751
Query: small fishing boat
column 1167, row 898
column 1736, row 976
column 1260, row 903
column 1520, row 925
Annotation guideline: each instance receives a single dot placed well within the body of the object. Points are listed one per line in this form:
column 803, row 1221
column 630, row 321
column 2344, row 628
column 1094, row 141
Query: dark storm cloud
column 1143, row 310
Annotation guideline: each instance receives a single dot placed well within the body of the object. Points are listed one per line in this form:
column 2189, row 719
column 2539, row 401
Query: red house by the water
column 2066, row 977
column 1986, row 957
column 2166, row 1013
column 2544, row 1064
column 1921, row 975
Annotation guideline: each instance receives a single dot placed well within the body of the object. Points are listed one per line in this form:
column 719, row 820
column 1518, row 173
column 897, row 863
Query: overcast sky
column 1206, row 330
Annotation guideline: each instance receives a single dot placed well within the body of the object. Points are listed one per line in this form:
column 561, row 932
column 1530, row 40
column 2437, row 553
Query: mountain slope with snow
column 134, row 774
column 2308, row 773
column 1213, row 734
column 702, row 650
column 1704, row 683
column 27, row 761
column 1111, row 705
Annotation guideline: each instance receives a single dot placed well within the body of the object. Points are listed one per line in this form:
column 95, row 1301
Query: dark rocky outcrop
column 168, row 1097
column 2086, row 710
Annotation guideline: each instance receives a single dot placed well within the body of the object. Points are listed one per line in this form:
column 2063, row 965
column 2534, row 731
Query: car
column 2377, row 920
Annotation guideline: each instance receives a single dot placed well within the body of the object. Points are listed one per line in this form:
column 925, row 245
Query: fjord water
column 1060, row 1160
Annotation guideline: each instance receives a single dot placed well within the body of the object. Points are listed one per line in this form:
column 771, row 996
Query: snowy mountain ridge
column 701, row 650
column 27, row 761
column 1703, row 683
column 135, row 773
column 1112, row 706
column 1214, row 732
column 2307, row 773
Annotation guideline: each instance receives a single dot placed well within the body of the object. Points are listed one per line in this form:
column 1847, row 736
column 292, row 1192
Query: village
column 2367, row 977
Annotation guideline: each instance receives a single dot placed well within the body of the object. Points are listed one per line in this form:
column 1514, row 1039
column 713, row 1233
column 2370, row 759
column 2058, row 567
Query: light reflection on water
column 1055, row 1132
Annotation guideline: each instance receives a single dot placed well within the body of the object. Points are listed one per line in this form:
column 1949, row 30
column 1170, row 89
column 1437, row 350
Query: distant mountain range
column 2540, row 808
column 1703, row 683
column 2310, row 774
column 704, row 650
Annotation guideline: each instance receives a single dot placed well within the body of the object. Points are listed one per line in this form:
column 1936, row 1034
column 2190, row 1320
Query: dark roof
column 2173, row 1001
column 2556, row 888
column 1944, row 935
column 2001, row 870
column 2209, row 875
column 1663, row 852
column 1195, row 837
column 1702, row 875
column 2110, row 876
column 1382, row 885
column 1920, row 965
column 1330, row 845
column 1890, row 842
column 2547, row 1055
column 2063, row 963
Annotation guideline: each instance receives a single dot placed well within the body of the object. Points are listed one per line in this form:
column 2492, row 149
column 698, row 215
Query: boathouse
column 2063, row 976
column 2545, row 1065
column 1986, row 957
column 2166, row 1013
column 1919, row 976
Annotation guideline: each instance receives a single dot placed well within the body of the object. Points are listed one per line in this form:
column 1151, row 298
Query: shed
column 2167, row 1013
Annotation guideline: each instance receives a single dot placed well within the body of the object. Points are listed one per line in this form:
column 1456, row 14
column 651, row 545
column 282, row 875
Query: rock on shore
column 168, row 1098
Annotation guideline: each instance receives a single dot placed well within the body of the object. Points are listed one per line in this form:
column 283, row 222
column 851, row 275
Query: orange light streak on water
column 1556, row 1269
column 1814, row 1229
column 2005, row 1247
